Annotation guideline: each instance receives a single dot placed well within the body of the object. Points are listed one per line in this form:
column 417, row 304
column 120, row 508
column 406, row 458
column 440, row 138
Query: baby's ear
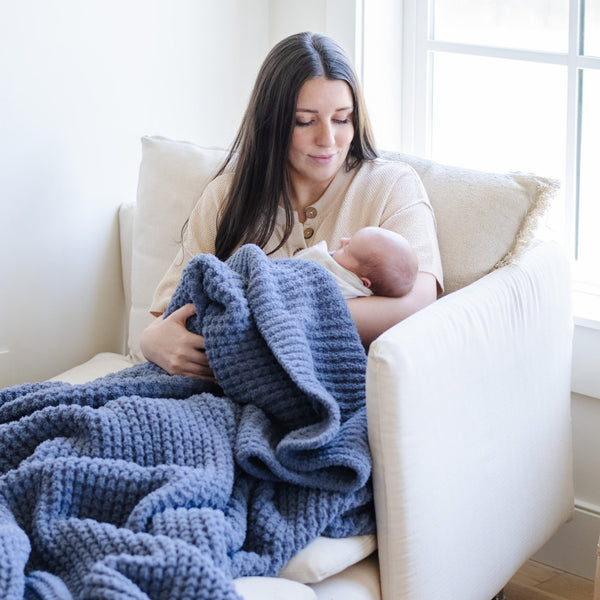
column 366, row 282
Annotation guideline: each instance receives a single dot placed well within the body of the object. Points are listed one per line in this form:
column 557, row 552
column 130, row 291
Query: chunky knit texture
column 143, row 485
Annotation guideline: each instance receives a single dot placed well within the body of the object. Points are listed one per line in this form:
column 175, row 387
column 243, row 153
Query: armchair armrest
column 469, row 425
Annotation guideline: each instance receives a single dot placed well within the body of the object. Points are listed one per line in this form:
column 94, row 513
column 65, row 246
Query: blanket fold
column 144, row 485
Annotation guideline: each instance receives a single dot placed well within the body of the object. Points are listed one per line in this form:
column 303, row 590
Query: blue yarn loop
column 143, row 485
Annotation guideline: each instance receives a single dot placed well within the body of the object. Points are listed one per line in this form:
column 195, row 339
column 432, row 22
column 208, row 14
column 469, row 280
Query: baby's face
column 352, row 251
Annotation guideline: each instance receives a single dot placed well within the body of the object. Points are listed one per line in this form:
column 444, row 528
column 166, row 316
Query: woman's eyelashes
column 301, row 123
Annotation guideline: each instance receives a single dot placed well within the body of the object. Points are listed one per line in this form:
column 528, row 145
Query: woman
column 303, row 168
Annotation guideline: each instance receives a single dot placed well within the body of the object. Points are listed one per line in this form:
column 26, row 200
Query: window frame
column 418, row 49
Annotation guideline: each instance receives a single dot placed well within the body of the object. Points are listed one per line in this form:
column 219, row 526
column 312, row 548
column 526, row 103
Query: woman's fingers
column 194, row 369
column 181, row 315
column 171, row 346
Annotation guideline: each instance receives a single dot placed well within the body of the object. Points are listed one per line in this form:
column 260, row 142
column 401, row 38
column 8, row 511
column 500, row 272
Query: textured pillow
column 171, row 179
column 484, row 220
column 325, row 557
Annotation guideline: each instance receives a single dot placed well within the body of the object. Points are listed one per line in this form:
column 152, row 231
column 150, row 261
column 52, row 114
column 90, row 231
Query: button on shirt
column 307, row 229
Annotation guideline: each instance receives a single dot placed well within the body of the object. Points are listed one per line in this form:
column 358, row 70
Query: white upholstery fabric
column 272, row 588
column 327, row 556
column 98, row 366
column 469, row 427
column 358, row 582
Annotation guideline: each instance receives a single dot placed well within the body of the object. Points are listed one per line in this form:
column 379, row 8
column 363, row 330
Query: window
column 502, row 85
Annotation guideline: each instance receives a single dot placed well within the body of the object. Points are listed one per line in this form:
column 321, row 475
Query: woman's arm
column 375, row 314
column 171, row 346
column 178, row 351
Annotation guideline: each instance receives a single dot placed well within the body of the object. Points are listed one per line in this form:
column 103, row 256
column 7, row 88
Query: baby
column 374, row 261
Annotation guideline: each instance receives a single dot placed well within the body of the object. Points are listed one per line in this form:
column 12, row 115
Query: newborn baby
column 374, row 261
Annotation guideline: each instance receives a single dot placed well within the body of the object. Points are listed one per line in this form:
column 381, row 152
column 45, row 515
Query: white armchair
column 468, row 400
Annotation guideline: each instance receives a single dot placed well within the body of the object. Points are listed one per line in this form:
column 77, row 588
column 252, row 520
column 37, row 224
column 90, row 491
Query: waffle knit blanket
column 140, row 485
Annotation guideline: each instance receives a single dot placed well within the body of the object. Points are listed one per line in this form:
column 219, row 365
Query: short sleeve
column 409, row 212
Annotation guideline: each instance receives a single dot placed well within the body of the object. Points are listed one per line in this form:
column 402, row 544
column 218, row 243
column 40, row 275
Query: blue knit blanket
column 142, row 485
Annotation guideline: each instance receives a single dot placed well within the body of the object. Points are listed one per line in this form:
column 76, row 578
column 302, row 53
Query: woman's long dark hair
column 259, row 153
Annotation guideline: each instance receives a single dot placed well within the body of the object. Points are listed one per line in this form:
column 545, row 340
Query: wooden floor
column 535, row 581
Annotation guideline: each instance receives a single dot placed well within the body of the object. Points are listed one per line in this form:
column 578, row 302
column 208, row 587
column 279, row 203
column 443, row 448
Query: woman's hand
column 171, row 346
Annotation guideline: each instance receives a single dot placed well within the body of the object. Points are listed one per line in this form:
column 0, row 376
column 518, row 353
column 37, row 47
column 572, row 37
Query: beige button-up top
column 381, row 193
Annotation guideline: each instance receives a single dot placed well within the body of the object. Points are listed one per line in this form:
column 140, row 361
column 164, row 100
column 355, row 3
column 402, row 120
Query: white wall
column 81, row 83
column 290, row 16
column 383, row 72
column 340, row 19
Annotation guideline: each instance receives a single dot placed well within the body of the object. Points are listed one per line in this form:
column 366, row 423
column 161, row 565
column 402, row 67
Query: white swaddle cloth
column 349, row 283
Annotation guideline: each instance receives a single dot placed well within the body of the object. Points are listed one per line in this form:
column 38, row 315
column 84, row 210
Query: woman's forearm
column 375, row 314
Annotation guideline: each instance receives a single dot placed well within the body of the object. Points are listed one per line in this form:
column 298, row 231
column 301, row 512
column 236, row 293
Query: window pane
column 589, row 190
column 501, row 115
column 532, row 25
column 592, row 28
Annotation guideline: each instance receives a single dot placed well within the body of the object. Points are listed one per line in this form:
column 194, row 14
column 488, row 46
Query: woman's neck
column 303, row 195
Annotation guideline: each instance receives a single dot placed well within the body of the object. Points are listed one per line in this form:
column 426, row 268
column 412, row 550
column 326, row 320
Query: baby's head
column 383, row 259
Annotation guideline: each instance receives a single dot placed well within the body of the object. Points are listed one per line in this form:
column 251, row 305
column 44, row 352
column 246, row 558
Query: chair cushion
column 325, row 557
column 358, row 582
column 273, row 588
column 98, row 366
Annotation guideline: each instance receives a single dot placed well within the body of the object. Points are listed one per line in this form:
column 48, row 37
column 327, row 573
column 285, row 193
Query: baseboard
column 574, row 546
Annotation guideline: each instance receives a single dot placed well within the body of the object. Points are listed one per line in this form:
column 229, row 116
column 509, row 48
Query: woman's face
column 323, row 132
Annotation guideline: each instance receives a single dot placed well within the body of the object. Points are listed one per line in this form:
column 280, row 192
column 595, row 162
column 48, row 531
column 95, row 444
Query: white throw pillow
column 172, row 177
